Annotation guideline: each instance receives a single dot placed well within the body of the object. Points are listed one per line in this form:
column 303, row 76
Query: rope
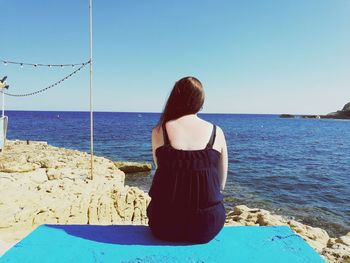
column 49, row 87
column 40, row 64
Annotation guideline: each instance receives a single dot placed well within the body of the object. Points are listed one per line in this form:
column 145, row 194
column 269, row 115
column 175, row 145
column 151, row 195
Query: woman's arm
column 155, row 143
column 223, row 163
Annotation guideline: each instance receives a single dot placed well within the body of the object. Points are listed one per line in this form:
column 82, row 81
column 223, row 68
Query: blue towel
column 129, row 243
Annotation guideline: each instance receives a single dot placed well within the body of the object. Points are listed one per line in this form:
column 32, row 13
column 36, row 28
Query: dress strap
column 212, row 137
column 165, row 135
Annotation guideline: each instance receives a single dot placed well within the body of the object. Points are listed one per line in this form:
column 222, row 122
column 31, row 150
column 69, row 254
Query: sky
column 262, row 57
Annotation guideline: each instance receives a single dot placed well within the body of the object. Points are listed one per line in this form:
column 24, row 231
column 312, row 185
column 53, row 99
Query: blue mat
column 128, row 243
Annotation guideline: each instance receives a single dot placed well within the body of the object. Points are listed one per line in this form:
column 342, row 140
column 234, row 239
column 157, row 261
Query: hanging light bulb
column 21, row 65
column 35, row 65
column 5, row 63
column 62, row 66
column 73, row 66
column 49, row 66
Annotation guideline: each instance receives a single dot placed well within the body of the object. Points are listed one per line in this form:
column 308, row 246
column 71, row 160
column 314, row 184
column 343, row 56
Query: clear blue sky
column 252, row 56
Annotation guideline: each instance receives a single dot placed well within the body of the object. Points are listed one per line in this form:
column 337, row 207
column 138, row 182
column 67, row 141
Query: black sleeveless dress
column 186, row 204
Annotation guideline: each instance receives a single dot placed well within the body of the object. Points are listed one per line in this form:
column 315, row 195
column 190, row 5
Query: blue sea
column 299, row 168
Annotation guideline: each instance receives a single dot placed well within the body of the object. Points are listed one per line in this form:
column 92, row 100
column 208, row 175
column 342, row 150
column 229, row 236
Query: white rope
column 48, row 87
column 39, row 64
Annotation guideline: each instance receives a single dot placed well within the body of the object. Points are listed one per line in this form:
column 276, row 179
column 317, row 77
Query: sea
column 299, row 168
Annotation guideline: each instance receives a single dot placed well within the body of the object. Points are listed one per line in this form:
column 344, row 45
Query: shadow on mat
column 116, row 234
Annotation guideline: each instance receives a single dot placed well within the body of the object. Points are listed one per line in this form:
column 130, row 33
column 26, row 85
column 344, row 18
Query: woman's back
column 190, row 133
column 186, row 201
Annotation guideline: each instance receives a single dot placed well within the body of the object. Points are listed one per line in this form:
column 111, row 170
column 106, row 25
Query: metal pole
column 91, row 101
column 3, row 102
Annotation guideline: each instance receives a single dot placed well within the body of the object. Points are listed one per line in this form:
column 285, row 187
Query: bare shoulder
column 220, row 137
column 157, row 135
column 206, row 123
column 220, row 142
column 156, row 131
column 219, row 132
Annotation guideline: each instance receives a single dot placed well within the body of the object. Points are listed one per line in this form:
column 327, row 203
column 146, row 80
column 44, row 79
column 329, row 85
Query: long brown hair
column 186, row 97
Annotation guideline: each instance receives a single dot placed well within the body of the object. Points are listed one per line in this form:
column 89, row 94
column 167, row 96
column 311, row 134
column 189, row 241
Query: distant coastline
column 340, row 114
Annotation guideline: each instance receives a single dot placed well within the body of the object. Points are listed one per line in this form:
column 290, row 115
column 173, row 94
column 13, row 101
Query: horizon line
column 98, row 111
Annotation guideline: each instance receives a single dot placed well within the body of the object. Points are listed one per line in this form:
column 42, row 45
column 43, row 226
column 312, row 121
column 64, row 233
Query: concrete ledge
column 131, row 243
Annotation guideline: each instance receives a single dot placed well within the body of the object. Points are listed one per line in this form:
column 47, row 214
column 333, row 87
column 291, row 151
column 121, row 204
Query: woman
column 190, row 155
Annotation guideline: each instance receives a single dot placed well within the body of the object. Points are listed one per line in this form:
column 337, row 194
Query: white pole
column 3, row 102
column 91, row 101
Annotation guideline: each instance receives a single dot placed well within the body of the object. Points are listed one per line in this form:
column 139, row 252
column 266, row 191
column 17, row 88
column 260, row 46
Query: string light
column 6, row 62
column 51, row 86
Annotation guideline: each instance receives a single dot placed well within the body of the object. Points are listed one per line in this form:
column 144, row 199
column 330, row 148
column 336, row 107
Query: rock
column 345, row 240
column 133, row 167
column 53, row 174
column 38, row 176
column 337, row 253
column 331, row 242
column 297, row 226
column 239, row 209
column 311, row 116
column 287, row 116
column 16, row 167
column 266, row 219
column 346, row 107
column 340, row 114
column 337, row 115
column 55, row 190
column 316, row 233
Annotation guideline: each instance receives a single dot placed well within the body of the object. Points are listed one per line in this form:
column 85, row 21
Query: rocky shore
column 45, row 184
column 344, row 113
column 41, row 184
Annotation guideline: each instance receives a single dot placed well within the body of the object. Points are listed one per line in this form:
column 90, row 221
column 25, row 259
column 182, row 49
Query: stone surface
column 54, row 189
column 345, row 240
column 133, row 167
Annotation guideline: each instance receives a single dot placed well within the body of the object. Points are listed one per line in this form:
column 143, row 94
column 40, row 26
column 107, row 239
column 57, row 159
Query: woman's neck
column 189, row 116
